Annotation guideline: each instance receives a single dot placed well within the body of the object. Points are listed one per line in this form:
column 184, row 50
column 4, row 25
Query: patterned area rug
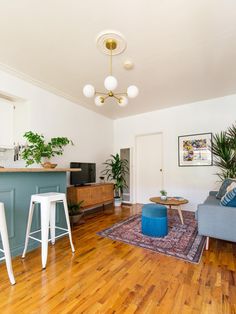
column 181, row 242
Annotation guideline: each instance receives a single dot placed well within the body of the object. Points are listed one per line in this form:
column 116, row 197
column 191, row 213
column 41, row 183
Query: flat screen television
column 87, row 174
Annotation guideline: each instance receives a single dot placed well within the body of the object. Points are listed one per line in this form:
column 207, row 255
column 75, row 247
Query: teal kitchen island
column 16, row 187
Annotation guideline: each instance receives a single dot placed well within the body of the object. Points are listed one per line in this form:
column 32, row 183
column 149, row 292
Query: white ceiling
column 183, row 50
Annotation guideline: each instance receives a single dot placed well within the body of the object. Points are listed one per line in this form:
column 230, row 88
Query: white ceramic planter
column 163, row 197
column 117, row 201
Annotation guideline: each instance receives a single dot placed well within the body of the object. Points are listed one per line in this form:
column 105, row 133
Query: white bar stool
column 5, row 244
column 47, row 203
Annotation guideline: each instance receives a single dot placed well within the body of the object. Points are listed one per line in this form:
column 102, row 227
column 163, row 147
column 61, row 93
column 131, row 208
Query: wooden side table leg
column 180, row 214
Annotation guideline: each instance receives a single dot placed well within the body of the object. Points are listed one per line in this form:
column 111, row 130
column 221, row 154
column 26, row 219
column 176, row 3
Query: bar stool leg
column 45, row 217
column 5, row 244
column 30, row 217
column 52, row 221
column 68, row 223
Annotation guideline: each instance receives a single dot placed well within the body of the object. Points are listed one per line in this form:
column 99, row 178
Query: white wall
column 206, row 116
column 53, row 116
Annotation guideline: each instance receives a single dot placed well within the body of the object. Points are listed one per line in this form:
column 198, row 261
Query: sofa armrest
column 213, row 193
column 217, row 221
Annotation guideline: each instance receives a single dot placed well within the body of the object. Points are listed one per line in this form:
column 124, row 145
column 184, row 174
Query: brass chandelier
column 110, row 83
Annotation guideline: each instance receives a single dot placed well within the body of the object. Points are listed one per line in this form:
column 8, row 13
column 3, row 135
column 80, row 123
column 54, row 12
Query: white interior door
column 148, row 166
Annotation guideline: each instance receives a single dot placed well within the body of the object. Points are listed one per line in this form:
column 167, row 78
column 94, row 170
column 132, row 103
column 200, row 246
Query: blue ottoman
column 154, row 220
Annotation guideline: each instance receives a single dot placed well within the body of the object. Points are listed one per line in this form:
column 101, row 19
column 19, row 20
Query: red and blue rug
column 182, row 241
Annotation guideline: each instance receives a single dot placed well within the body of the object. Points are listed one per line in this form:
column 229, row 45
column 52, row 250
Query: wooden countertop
column 39, row 170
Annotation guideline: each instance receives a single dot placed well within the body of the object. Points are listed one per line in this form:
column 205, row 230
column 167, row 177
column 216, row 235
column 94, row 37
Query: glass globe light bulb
column 132, row 91
column 99, row 101
column 89, row 91
column 110, row 83
column 123, row 101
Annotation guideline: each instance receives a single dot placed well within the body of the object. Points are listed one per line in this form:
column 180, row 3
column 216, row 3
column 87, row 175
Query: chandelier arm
column 116, row 97
column 100, row 93
column 121, row 94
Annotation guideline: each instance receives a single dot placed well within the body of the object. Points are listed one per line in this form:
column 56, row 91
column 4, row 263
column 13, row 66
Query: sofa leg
column 207, row 243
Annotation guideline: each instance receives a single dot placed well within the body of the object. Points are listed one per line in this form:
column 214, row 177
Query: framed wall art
column 195, row 150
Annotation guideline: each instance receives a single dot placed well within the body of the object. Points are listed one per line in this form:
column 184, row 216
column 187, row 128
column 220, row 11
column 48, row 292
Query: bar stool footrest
column 2, row 258
column 56, row 237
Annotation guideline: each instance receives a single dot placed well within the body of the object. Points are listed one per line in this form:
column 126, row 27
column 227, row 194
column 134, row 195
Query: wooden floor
column 105, row 276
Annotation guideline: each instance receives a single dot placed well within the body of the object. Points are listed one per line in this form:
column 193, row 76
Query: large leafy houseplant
column 224, row 149
column 37, row 148
column 115, row 171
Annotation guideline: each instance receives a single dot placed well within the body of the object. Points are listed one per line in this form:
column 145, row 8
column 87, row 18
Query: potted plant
column 75, row 212
column 115, row 170
column 37, row 149
column 163, row 195
column 224, row 150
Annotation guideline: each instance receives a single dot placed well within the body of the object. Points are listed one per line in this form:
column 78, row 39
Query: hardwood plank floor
column 104, row 276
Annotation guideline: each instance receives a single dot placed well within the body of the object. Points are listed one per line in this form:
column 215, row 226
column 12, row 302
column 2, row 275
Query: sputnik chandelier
column 111, row 43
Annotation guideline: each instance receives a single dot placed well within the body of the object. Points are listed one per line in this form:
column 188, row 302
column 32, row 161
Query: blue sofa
column 215, row 220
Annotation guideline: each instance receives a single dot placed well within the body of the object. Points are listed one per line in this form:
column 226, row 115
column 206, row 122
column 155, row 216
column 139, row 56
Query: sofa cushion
column 229, row 199
column 231, row 187
column 223, row 188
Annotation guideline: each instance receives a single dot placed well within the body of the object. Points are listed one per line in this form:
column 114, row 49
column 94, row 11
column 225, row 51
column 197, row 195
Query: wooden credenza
column 92, row 195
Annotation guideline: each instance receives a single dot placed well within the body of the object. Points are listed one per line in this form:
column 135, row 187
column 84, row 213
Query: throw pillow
column 231, row 187
column 223, row 188
column 229, row 199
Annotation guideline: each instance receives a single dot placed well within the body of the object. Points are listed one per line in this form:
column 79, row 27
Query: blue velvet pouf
column 154, row 220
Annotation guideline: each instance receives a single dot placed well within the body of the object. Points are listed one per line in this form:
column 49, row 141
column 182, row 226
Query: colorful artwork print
column 194, row 150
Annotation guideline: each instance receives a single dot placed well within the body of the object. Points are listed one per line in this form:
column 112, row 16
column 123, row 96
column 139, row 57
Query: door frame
column 131, row 173
column 135, row 168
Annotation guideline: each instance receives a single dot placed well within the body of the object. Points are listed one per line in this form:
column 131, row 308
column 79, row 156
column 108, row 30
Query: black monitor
column 87, row 174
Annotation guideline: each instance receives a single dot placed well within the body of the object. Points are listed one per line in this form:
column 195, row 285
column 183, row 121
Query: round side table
column 171, row 201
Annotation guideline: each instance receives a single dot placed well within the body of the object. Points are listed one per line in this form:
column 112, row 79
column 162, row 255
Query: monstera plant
column 224, row 149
